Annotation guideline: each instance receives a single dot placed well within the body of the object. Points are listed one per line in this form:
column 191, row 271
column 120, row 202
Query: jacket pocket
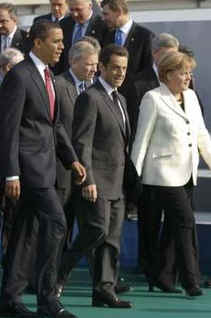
column 161, row 155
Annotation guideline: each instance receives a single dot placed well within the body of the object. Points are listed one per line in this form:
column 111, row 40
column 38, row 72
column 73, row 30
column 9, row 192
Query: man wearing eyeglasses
column 10, row 34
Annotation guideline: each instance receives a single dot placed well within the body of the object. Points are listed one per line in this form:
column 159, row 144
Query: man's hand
column 13, row 189
column 79, row 172
column 90, row 192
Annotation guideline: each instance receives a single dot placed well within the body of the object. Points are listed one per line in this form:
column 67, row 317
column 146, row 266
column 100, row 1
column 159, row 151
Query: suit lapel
column 71, row 88
column 36, row 77
column 170, row 100
column 110, row 105
column 16, row 38
column 130, row 38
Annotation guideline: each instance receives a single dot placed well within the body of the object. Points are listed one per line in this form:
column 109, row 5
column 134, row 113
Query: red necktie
column 51, row 94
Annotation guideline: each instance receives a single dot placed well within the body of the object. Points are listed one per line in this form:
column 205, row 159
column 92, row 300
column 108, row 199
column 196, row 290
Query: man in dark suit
column 83, row 60
column 101, row 133
column 123, row 31
column 10, row 34
column 59, row 9
column 83, row 20
column 31, row 134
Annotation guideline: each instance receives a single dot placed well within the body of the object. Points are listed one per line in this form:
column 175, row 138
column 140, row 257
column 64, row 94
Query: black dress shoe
column 121, row 288
column 59, row 290
column 105, row 299
column 165, row 288
column 193, row 292
column 207, row 283
column 15, row 310
column 55, row 310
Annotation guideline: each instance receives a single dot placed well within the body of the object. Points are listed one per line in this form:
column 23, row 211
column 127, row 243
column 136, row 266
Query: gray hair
column 10, row 56
column 166, row 40
column 94, row 42
column 80, row 48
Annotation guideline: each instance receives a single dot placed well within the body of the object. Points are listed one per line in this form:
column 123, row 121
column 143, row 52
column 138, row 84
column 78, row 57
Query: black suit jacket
column 45, row 17
column 67, row 92
column 19, row 40
column 27, row 134
column 138, row 44
column 96, row 28
column 100, row 140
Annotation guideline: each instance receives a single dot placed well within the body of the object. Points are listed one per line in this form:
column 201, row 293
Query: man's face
column 114, row 72
column 111, row 17
column 80, row 10
column 50, row 49
column 7, row 24
column 85, row 67
column 59, row 8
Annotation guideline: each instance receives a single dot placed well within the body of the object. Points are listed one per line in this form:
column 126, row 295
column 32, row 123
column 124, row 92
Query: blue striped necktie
column 119, row 37
column 78, row 33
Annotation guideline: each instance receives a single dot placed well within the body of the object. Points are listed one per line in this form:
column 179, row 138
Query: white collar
column 39, row 64
column 76, row 80
column 126, row 27
column 11, row 35
column 109, row 89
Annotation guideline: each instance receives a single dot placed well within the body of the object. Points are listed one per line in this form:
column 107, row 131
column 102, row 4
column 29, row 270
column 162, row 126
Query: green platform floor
column 77, row 299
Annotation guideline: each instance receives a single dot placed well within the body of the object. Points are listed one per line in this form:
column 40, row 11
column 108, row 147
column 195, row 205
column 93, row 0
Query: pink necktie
column 51, row 94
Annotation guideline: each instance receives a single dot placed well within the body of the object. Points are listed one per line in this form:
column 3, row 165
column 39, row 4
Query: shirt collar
column 126, row 27
column 154, row 66
column 38, row 63
column 54, row 19
column 11, row 35
column 109, row 89
column 86, row 22
column 76, row 80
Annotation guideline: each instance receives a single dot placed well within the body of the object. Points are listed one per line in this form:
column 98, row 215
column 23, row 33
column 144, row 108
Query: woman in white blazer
column 170, row 135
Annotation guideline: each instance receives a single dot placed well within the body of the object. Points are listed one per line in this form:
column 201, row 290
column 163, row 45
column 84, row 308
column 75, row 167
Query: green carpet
column 77, row 299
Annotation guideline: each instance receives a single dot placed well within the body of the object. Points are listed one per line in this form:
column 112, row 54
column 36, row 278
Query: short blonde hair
column 172, row 61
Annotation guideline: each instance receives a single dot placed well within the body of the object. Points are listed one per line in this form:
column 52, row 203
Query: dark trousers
column 41, row 206
column 100, row 227
column 176, row 203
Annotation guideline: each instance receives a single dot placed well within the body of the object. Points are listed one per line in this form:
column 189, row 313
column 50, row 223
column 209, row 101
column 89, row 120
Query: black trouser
column 44, row 207
column 176, row 203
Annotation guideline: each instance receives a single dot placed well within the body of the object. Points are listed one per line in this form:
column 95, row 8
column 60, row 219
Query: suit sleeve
column 146, row 122
column 64, row 149
column 11, row 105
column 84, row 123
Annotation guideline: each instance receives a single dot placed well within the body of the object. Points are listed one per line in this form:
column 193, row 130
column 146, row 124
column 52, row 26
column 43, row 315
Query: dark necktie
column 50, row 91
column 78, row 33
column 119, row 37
column 117, row 107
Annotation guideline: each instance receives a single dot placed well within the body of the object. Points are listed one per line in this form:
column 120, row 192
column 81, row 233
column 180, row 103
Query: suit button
column 190, row 145
column 187, row 122
column 188, row 133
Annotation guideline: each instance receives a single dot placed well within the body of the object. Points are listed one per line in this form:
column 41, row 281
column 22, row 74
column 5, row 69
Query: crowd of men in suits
column 66, row 142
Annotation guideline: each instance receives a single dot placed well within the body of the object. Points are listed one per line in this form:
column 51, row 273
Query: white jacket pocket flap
column 161, row 155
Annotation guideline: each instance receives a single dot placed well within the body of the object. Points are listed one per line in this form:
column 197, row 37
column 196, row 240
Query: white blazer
column 168, row 140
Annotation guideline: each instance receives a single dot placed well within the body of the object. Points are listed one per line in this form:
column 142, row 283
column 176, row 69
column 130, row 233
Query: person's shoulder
column 66, row 21
column 42, row 17
column 140, row 29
